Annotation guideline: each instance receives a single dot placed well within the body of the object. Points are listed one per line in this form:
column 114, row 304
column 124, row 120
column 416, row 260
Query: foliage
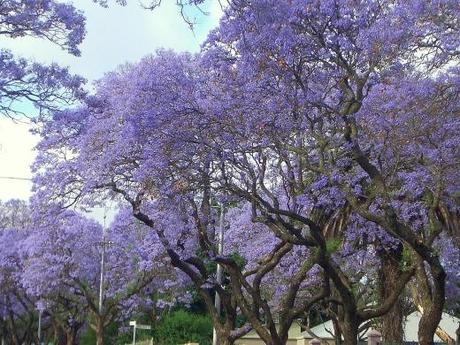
column 25, row 82
column 331, row 128
column 181, row 327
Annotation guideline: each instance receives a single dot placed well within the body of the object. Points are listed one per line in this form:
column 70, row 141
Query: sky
column 115, row 35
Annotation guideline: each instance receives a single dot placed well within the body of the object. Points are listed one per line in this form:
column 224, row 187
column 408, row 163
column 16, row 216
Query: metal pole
column 39, row 327
column 220, row 250
column 134, row 335
column 101, row 280
column 4, row 320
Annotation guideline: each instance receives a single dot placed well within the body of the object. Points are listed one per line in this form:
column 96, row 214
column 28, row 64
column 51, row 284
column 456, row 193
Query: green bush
column 181, row 327
column 88, row 337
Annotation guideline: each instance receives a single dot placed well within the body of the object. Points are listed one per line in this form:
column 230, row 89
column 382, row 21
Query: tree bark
column 337, row 332
column 100, row 337
column 55, row 332
column 70, row 336
column 99, row 331
column 349, row 326
column 457, row 333
column 431, row 299
column 392, row 322
column 223, row 338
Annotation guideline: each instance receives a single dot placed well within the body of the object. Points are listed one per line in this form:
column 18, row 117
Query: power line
column 15, row 178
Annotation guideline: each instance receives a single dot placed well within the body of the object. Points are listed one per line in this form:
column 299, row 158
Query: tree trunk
column 223, row 338
column 14, row 336
column 457, row 333
column 349, row 326
column 392, row 322
column 337, row 332
column 99, row 331
column 70, row 337
column 432, row 300
column 427, row 326
column 55, row 332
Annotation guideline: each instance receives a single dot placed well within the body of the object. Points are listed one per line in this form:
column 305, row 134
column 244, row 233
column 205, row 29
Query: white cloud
column 16, row 156
column 118, row 34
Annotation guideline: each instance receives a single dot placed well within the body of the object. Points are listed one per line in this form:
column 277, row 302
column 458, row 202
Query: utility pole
column 3, row 320
column 101, row 280
column 220, row 250
column 104, row 243
column 39, row 333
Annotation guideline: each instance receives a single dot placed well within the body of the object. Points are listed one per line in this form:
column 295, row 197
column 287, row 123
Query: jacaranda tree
column 64, row 269
column 333, row 126
column 23, row 82
column 327, row 64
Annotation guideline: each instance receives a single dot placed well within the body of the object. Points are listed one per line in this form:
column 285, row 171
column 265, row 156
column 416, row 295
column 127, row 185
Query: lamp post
column 220, row 250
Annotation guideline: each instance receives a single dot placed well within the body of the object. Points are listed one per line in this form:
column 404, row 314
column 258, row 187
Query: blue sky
column 115, row 35
column 118, row 34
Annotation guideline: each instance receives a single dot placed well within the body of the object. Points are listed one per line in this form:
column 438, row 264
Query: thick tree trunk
column 223, row 338
column 278, row 341
column 349, row 326
column 350, row 335
column 432, row 300
column 427, row 326
column 392, row 322
column 224, row 341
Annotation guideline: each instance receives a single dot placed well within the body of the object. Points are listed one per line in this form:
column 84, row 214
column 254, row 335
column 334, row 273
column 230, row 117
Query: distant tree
column 64, row 268
column 18, row 310
column 14, row 213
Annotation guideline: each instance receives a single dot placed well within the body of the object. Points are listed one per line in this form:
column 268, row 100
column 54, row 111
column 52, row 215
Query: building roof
column 448, row 323
column 324, row 330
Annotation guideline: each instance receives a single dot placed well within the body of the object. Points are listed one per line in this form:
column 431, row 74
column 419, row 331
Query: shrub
column 181, row 327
